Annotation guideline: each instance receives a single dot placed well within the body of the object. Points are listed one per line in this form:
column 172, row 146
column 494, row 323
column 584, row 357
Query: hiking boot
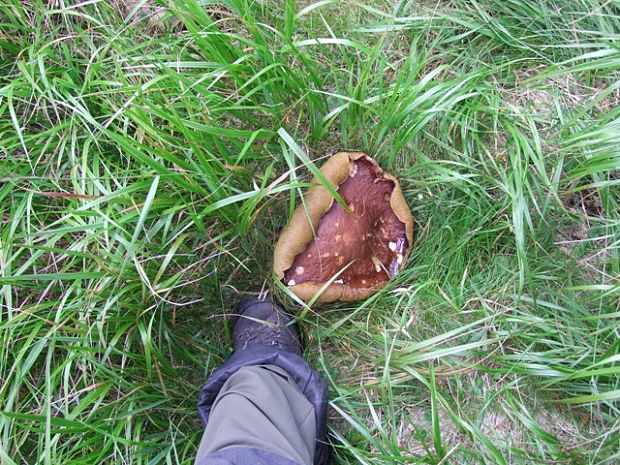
column 264, row 322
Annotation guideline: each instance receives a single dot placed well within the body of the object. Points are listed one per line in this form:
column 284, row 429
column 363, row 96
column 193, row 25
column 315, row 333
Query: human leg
column 261, row 407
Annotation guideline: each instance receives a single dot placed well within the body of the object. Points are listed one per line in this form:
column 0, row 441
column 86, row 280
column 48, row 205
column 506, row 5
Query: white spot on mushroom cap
column 393, row 268
column 399, row 258
column 377, row 263
column 353, row 170
column 291, row 282
column 338, row 237
column 338, row 281
column 299, row 270
column 392, row 246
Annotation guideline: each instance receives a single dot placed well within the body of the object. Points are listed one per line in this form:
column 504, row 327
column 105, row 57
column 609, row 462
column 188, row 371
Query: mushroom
column 358, row 249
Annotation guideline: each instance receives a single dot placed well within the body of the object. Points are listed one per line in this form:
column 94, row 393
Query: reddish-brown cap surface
column 361, row 248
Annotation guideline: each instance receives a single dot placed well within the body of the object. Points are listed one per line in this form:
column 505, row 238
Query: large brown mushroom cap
column 366, row 245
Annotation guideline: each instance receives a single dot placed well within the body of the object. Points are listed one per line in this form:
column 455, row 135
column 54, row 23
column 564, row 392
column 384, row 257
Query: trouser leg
column 259, row 406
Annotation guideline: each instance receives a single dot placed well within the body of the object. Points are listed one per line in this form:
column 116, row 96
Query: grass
column 149, row 161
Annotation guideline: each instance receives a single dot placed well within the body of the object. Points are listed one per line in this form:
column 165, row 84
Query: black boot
column 260, row 321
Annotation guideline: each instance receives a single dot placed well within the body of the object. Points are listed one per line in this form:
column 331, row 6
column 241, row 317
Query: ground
column 151, row 152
